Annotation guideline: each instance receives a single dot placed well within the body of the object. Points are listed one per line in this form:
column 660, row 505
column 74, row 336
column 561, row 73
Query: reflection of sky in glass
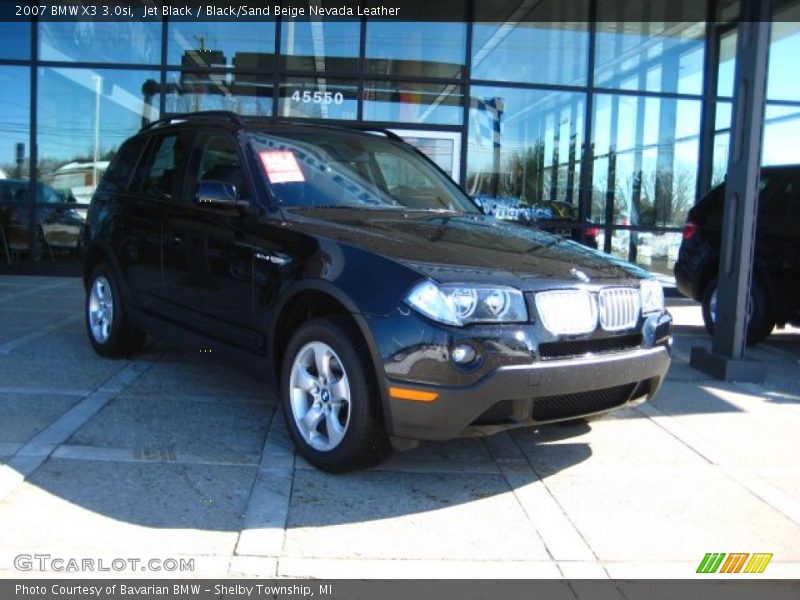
column 116, row 42
column 418, row 42
column 657, row 57
column 504, row 53
column 665, row 137
column 530, row 116
column 15, row 107
column 727, row 51
column 67, row 103
column 320, row 39
column 781, row 132
column 15, row 40
column 229, row 38
column 783, row 82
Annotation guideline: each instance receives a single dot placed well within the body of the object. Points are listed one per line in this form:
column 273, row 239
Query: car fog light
column 463, row 354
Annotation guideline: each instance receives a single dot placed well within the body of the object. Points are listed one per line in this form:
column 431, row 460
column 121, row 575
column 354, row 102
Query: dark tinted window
column 13, row 191
column 161, row 175
column 119, row 173
column 216, row 159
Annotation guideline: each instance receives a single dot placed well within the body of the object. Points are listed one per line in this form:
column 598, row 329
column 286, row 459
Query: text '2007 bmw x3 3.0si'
column 386, row 307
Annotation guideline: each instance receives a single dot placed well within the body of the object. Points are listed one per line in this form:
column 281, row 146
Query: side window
column 215, row 159
column 119, row 173
column 161, row 175
column 12, row 192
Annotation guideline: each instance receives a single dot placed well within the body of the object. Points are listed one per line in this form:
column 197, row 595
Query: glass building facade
column 562, row 114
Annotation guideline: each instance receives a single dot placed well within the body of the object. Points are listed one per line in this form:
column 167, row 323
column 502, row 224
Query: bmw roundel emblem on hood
column 580, row 275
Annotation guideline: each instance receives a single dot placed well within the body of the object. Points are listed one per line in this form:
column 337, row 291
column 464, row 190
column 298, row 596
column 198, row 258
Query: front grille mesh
column 567, row 312
column 575, row 312
column 564, row 349
column 618, row 308
column 566, row 406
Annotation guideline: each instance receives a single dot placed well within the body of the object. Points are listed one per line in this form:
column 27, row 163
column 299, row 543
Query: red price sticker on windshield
column 281, row 166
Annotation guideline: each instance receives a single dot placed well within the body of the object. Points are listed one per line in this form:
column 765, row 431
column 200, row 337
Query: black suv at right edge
column 363, row 282
column 775, row 291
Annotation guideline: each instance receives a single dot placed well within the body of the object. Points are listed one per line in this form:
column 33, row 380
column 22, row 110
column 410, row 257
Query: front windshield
column 342, row 169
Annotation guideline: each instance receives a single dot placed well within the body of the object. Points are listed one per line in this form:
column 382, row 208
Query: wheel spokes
column 305, row 380
column 322, row 359
column 320, row 396
column 340, row 389
column 336, row 428
column 312, row 418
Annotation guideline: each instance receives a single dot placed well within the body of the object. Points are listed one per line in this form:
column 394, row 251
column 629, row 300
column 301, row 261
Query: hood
column 455, row 247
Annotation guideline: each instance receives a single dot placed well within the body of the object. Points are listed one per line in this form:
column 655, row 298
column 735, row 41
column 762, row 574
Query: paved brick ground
column 173, row 455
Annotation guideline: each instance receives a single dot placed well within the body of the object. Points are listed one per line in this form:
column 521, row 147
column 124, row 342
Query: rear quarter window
column 118, row 175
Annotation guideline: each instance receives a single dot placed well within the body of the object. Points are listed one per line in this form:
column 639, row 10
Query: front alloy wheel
column 330, row 399
column 320, row 396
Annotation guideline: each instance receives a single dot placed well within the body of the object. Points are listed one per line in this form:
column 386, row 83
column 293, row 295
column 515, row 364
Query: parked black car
column 358, row 276
column 775, row 289
column 57, row 226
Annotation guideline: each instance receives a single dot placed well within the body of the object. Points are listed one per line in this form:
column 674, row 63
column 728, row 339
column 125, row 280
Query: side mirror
column 218, row 194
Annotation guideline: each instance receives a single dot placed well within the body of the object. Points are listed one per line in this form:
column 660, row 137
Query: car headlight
column 464, row 304
column 652, row 294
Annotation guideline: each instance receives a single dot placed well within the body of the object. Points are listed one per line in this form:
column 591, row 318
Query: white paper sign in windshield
column 281, row 166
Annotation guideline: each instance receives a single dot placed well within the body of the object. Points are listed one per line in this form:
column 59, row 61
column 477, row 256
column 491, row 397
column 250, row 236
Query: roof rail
column 366, row 128
column 205, row 114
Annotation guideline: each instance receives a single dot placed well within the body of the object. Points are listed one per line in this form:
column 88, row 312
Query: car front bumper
column 522, row 395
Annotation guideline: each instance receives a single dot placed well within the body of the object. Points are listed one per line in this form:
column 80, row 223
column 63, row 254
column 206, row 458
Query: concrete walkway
column 172, row 455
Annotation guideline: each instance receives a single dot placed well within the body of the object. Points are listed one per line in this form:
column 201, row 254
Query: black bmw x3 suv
column 365, row 284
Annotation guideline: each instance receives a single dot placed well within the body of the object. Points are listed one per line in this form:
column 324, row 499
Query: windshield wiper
column 432, row 210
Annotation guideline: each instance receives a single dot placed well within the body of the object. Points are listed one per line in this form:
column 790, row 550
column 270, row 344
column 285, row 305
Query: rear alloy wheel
column 110, row 333
column 759, row 314
column 329, row 398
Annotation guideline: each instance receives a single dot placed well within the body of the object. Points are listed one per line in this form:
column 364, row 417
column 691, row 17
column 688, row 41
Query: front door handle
column 275, row 259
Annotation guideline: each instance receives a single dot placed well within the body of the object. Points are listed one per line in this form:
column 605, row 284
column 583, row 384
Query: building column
column 726, row 359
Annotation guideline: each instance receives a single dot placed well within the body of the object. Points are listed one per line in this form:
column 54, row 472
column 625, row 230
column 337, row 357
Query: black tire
column 39, row 247
column 365, row 442
column 123, row 338
column 762, row 321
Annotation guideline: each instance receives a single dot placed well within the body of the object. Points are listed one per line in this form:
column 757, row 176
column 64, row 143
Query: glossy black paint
column 230, row 278
column 777, row 252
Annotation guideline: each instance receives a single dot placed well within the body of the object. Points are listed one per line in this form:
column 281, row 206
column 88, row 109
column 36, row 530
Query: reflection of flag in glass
column 487, row 115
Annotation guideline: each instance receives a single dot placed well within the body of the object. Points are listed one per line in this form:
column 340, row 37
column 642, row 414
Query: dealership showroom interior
column 630, row 164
